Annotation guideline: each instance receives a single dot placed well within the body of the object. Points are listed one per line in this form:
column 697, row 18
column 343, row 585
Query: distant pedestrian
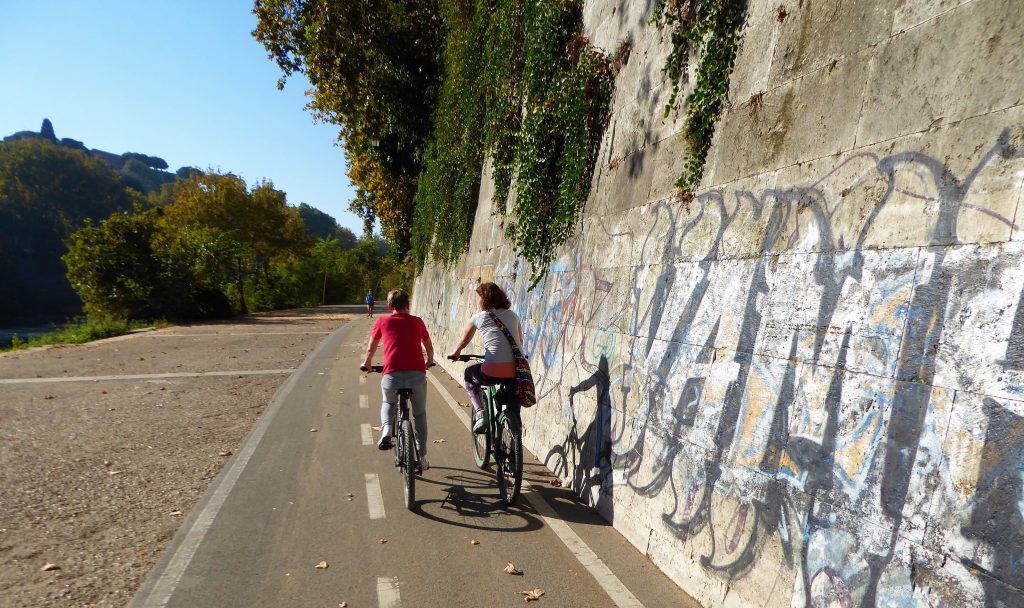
column 369, row 303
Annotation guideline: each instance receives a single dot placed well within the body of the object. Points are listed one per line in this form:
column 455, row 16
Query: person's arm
column 371, row 348
column 375, row 335
column 467, row 335
column 428, row 346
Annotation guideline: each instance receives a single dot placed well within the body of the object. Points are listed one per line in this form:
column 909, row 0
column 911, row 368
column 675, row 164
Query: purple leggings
column 475, row 378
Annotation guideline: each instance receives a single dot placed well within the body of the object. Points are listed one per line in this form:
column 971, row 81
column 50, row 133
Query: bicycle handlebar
column 465, row 358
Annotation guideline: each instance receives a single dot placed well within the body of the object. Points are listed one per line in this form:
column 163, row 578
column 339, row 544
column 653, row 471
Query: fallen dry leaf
column 439, row 440
column 225, row 452
column 532, row 595
column 474, row 542
column 175, row 512
column 327, row 415
column 106, row 463
column 343, row 605
column 556, row 483
column 349, row 495
column 376, row 428
column 511, row 569
column 382, row 540
column 50, row 567
column 312, row 430
column 322, row 566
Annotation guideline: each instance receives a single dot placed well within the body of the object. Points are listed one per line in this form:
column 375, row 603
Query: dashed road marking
column 367, row 435
column 251, row 372
column 387, row 592
column 374, row 499
column 611, row 584
column 364, row 402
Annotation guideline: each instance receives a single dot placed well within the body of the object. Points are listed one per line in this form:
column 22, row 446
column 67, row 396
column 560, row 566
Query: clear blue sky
column 182, row 80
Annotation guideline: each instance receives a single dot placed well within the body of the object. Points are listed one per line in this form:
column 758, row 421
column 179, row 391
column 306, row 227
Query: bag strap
column 508, row 335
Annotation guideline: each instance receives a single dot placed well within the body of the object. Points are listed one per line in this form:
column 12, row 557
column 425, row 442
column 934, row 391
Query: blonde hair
column 398, row 299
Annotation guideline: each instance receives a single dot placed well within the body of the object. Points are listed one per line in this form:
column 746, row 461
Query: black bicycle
column 504, row 436
column 403, row 437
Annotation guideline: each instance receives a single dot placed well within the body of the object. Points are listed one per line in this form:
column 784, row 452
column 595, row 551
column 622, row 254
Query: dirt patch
column 96, row 476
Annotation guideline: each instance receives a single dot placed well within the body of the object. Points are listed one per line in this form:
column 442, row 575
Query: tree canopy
column 46, row 192
column 375, row 68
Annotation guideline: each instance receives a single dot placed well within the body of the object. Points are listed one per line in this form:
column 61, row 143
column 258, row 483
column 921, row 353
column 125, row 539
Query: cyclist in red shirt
column 404, row 367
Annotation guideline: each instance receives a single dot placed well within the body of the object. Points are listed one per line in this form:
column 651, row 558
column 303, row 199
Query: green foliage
column 524, row 86
column 320, row 225
column 710, row 28
column 78, row 332
column 216, row 248
column 154, row 162
column 374, row 67
column 46, row 192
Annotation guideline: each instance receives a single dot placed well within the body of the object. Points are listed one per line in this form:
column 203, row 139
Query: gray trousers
column 389, row 385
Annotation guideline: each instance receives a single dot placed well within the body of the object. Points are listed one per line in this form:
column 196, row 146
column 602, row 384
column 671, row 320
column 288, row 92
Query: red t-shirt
column 402, row 335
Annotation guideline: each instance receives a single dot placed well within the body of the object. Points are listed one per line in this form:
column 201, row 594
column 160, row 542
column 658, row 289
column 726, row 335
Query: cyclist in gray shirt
column 498, row 363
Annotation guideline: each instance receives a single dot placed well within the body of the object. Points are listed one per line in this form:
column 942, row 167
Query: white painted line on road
column 374, row 499
column 460, row 413
column 167, row 580
column 387, row 592
column 250, row 372
column 364, row 402
column 367, row 435
column 586, row 556
column 236, row 333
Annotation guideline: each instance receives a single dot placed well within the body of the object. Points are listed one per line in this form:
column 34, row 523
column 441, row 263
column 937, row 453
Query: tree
column 47, row 130
column 258, row 222
column 374, row 67
column 46, row 192
column 113, row 267
column 130, row 266
column 319, row 225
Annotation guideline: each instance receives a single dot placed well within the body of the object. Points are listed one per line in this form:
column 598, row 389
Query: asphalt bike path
column 309, row 488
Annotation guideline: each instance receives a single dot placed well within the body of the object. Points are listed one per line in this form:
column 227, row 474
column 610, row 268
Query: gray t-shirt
column 496, row 346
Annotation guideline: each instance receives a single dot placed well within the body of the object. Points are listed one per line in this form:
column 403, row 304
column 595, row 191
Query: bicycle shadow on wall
column 471, row 500
column 586, row 458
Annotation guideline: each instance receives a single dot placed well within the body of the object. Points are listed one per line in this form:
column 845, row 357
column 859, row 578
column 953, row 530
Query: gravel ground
column 96, row 476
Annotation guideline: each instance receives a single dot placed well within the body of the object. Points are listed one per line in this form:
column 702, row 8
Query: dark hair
column 398, row 299
column 492, row 296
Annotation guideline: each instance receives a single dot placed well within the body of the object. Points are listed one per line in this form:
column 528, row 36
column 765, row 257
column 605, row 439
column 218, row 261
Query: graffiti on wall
column 854, row 405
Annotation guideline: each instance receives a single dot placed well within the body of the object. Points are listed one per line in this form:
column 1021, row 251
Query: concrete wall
column 805, row 387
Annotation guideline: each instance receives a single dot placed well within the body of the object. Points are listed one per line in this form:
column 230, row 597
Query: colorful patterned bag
column 525, row 392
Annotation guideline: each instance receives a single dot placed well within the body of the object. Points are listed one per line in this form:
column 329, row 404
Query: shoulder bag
column 525, row 393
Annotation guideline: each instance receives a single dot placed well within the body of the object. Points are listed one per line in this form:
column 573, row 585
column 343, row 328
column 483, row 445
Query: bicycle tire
column 508, row 458
column 482, row 442
column 408, row 463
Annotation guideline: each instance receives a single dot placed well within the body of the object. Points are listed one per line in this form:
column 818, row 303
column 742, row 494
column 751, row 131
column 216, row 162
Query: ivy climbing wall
column 803, row 386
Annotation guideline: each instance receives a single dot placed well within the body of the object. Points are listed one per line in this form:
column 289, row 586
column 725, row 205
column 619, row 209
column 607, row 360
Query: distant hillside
column 138, row 171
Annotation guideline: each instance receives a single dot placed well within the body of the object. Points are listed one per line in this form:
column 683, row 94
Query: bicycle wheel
column 508, row 458
column 482, row 442
column 408, row 462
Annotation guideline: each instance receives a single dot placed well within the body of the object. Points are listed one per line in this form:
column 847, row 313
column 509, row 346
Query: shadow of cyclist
column 592, row 474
